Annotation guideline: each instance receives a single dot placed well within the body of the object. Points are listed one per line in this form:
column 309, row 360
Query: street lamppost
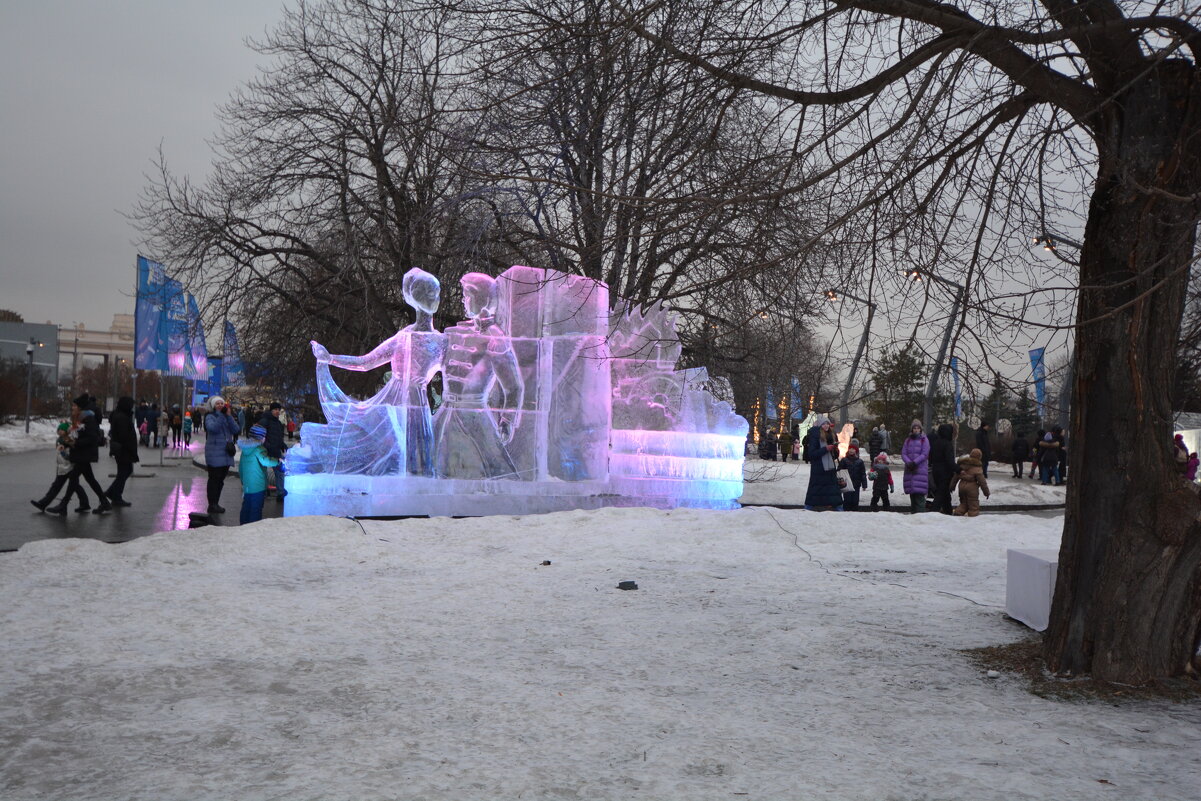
column 932, row 387
column 33, row 343
column 833, row 294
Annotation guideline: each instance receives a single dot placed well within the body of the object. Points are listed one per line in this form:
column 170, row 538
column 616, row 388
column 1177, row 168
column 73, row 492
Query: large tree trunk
column 1127, row 604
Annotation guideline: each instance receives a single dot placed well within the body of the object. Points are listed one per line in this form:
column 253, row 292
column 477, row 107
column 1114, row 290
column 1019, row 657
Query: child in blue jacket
column 253, row 471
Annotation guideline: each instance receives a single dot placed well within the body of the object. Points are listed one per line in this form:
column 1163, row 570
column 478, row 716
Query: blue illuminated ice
column 553, row 400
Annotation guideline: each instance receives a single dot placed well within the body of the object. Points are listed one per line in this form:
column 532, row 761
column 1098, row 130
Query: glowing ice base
column 553, row 402
column 710, row 477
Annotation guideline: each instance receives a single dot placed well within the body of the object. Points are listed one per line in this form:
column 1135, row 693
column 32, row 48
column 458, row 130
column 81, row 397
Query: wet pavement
column 162, row 497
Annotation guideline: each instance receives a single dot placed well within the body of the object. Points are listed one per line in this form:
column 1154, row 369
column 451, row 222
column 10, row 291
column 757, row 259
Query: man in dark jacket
column 985, row 446
column 273, row 444
column 152, row 418
column 875, row 443
column 123, row 445
column 942, row 467
column 1021, row 454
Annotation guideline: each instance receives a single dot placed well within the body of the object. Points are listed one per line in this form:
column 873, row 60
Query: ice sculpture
column 392, row 428
column 552, row 401
column 471, row 439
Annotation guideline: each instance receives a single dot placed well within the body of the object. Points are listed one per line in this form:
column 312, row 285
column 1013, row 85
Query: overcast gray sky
column 88, row 90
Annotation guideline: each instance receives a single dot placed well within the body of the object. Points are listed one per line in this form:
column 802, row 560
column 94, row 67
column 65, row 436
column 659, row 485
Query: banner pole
column 162, row 393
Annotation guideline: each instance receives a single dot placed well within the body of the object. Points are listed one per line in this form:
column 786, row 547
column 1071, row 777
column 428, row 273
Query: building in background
column 15, row 339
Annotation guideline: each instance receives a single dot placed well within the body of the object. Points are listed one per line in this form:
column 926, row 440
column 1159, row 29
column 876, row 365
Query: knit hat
column 917, row 423
column 83, row 401
column 275, row 405
column 1048, row 437
column 258, row 432
column 213, row 401
column 882, row 456
column 976, row 454
column 64, row 426
column 853, row 449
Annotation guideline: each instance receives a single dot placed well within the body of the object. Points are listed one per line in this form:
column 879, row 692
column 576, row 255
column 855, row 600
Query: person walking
column 1036, row 452
column 875, row 443
column 820, row 450
column 972, row 482
column 858, row 472
column 152, row 420
column 885, row 439
column 984, row 444
column 176, row 426
column 1180, row 453
column 221, row 435
column 62, row 469
column 785, row 443
column 943, row 467
column 1048, row 459
column 1020, row 452
column 187, row 429
column 881, row 478
column 84, row 453
column 273, row 444
column 1061, row 457
column 123, row 445
column 915, row 453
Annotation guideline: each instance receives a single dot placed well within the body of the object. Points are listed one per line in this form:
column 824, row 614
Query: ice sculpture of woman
column 416, row 353
column 470, row 438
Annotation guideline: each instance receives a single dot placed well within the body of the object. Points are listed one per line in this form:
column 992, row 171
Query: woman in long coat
column 220, row 428
column 820, row 452
column 915, row 453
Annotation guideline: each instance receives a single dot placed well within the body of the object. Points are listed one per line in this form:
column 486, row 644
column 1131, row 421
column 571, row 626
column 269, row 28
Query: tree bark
column 1127, row 604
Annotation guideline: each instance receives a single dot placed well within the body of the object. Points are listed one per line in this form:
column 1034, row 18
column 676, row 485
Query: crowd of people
column 260, row 434
column 931, row 472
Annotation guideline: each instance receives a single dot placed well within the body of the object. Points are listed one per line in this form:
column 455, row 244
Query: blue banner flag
column 798, row 400
column 233, row 374
column 1040, row 379
column 958, row 395
column 150, row 334
column 197, row 347
column 210, row 385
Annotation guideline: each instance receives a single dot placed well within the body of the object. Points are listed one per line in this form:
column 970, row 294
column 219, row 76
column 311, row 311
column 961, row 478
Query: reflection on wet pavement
column 162, row 496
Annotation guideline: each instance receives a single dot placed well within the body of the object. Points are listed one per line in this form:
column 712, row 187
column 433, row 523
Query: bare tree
column 971, row 126
column 331, row 179
column 621, row 159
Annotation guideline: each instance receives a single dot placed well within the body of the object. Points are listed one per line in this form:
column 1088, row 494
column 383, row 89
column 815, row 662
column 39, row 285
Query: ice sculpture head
column 422, row 290
column 479, row 295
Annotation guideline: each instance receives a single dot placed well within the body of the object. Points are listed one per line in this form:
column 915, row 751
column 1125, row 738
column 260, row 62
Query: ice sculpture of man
column 470, row 438
column 416, row 353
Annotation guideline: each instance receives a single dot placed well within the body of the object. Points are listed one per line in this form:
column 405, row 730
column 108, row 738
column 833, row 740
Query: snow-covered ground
column 42, row 433
column 766, row 654
column 785, row 483
column 13, row 438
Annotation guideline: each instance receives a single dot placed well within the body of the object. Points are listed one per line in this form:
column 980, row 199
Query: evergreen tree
column 898, row 380
column 1025, row 416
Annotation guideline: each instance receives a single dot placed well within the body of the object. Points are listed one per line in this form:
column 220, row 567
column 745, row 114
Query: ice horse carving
column 553, row 401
